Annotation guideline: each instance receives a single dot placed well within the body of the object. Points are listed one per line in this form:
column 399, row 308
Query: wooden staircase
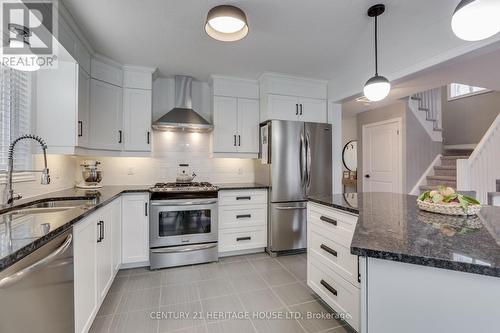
column 446, row 173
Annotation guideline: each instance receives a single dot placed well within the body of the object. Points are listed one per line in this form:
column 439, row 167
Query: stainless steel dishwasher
column 36, row 293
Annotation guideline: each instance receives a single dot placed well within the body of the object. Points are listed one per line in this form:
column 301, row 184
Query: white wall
column 349, row 130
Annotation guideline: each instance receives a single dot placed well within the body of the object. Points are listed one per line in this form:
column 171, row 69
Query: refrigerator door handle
column 302, row 158
column 308, row 161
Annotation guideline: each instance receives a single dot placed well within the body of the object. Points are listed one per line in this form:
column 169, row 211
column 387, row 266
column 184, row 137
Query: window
column 458, row 90
column 15, row 119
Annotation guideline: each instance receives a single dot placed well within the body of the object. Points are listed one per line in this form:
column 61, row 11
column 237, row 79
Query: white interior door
column 382, row 157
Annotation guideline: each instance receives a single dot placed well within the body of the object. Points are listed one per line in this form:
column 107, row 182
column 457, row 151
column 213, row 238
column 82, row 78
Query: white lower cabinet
column 242, row 220
column 85, row 272
column 97, row 248
column 332, row 271
column 135, row 229
column 116, row 218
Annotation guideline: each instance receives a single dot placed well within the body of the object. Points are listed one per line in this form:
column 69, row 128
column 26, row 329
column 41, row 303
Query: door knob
column 367, row 176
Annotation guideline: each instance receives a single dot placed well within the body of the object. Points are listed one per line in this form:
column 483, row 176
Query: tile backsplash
column 169, row 150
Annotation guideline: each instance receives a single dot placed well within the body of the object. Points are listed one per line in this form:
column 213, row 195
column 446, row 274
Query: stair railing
column 481, row 170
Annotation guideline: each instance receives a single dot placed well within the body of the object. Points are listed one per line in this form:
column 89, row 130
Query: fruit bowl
column 445, row 200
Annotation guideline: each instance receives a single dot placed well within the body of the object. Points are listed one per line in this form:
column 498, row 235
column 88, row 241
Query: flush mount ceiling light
column 226, row 23
column 475, row 20
column 377, row 88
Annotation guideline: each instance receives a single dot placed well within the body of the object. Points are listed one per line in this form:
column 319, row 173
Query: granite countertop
column 28, row 232
column 241, row 186
column 391, row 227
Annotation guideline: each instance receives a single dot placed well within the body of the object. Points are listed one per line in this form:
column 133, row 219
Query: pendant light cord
column 376, row 48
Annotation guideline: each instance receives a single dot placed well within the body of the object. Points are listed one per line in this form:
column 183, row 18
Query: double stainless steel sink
column 52, row 205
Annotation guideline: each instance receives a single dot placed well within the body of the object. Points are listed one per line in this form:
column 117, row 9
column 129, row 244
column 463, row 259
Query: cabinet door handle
column 328, row 287
column 300, row 110
column 80, row 128
column 296, row 109
column 234, row 144
column 243, row 238
column 244, row 216
column 146, row 208
column 120, row 136
column 102, row 227
column 99, row 238
column 329, row 250
column 148, row 137
column 328, row 220
column 239, row 140
column 359, row 273
column 244, row 198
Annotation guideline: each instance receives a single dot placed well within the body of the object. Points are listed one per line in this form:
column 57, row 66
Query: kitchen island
column 417, row 271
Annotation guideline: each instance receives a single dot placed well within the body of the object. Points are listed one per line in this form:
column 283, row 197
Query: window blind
column 15, row 116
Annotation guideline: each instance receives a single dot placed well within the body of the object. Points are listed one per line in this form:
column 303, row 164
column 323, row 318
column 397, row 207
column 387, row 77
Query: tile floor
column 212, row 297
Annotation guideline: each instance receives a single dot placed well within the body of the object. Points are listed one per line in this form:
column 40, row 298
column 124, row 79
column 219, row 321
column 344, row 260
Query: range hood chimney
column 182, row 117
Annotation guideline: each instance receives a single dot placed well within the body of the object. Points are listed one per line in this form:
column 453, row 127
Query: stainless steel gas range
column 183, row 224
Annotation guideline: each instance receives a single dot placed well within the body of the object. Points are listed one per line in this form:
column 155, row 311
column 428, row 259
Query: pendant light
column 226, row 23
column 377, row 88
column 475, row 20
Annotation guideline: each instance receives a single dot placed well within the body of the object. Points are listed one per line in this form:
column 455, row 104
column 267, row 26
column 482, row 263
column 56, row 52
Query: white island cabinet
column 332, row 271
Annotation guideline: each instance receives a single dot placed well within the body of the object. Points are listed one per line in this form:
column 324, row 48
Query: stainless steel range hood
column 182, row 117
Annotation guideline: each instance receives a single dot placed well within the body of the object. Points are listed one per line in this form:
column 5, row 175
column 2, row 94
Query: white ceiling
column 328, row 39
column 480, row 68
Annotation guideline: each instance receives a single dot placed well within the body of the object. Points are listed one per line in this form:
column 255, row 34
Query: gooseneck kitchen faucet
column 45, row 179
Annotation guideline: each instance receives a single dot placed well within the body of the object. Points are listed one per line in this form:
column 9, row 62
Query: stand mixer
column 91, row 176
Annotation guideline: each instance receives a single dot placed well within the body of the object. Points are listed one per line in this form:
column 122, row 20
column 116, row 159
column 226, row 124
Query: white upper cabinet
column 83, row 108
column 137, row 119
column 282, row 107
column 57, row 108
column 248, row 125
column 137, row 108
column 225, row 124
column 106, row 71
column 312, row 110
column 106, row 116
column 236, row 117
column 284, row 97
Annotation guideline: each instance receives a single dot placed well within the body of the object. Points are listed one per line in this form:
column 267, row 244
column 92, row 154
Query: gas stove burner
column 184, row 187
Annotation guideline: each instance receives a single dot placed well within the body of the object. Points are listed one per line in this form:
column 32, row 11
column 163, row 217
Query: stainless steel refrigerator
column 300, row 159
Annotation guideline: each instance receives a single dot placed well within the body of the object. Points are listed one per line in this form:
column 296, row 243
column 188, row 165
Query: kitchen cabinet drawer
column 338, row 223
column 236, row 239
column 340, row 295
column 242, row 197
column 335, row 255
column 242, row 216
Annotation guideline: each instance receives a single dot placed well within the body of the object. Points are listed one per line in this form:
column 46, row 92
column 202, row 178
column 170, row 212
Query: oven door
column 182, row 222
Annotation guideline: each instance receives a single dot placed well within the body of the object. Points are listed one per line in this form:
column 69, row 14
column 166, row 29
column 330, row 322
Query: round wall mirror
column 350, row 155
